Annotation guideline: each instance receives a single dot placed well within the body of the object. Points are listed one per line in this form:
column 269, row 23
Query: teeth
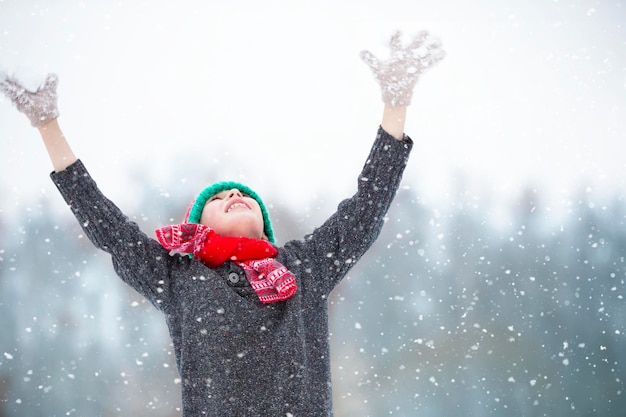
column 234, row 206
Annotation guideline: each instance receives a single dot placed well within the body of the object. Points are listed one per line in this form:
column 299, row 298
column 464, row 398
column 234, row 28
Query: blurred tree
column 453, row 313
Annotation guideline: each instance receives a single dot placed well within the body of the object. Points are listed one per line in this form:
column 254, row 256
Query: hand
column 39, row 106
column 397, row 75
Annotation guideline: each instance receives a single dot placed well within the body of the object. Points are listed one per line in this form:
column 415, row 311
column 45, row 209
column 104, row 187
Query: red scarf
column 270, row 279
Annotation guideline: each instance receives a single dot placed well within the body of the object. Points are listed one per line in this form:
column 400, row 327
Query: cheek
column 207, row 216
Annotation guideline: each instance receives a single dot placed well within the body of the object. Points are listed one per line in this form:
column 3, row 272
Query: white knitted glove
column 40, row 106
column 397, row 75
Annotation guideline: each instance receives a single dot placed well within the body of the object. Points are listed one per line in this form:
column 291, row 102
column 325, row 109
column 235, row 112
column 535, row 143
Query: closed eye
column 218, row 196
column 222, row 195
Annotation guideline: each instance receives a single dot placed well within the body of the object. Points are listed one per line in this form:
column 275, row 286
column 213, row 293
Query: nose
column 233, row 192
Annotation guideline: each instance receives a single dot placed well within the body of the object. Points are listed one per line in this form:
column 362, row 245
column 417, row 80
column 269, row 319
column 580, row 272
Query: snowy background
column 512, row 203
column 530, row 90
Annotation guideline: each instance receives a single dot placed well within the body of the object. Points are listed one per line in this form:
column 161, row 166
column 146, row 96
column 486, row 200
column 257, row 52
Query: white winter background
column 532, row 93
column 274, row 93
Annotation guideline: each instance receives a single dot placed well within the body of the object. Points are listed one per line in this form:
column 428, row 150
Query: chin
column 246, row 233
column 242, row 226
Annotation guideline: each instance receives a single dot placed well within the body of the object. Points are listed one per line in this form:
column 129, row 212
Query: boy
column 248, row 319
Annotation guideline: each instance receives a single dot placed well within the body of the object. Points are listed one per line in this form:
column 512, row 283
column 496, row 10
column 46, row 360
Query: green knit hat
column 195, row 211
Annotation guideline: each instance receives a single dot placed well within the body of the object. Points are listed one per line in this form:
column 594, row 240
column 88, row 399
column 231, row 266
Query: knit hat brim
column 194, row 214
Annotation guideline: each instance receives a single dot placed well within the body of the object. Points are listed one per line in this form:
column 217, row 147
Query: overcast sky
column 274, row 94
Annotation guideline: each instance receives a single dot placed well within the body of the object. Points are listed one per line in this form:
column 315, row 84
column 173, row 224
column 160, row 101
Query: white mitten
column 397, row 75
column 40, row 106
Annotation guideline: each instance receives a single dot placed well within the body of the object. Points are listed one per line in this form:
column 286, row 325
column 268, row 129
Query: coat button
column 233, row 277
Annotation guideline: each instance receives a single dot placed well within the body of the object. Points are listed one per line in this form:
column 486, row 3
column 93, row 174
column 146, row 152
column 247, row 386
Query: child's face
column 231, row 213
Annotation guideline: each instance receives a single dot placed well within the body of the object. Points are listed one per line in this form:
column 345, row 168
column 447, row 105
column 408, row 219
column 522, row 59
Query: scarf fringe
column 270, row 279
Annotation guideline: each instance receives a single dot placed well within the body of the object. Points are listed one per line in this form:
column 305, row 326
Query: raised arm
column 40, row 106
column 398, row 75
column 139, row 260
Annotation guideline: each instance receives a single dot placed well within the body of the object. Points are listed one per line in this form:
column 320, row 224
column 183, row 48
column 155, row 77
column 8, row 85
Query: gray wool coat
column 235, row 355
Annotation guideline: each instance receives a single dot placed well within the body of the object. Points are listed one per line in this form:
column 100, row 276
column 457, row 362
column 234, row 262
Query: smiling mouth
column 237, row 206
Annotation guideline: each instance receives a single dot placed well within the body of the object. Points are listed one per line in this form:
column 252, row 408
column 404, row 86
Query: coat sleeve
column 333, row 248
column 141, row 262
